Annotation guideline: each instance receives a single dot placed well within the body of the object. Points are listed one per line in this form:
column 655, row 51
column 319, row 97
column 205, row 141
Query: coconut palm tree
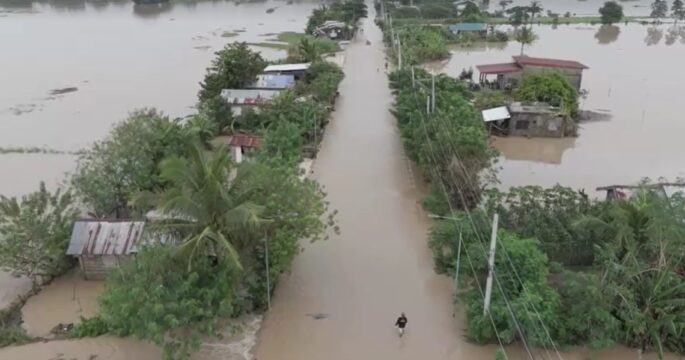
column 202, row 205
column 525, row 36
column 534, row 8
column 309, row 50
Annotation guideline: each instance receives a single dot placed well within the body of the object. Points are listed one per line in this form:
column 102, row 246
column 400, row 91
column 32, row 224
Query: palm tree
column 534, row 8
column 309, row 50
column 525, row 36
column 201, row 204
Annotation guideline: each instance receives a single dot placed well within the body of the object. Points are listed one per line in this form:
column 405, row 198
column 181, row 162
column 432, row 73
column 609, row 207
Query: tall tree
column 126, row 162
column 525, row 36
column 678, row 10
column 534, row 8
column 34, row 233
column 611, row 12
column 234, row 67
column 659, row 9
column 204, row 205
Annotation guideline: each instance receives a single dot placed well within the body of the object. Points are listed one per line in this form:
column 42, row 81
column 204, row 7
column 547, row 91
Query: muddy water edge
column 634, row 78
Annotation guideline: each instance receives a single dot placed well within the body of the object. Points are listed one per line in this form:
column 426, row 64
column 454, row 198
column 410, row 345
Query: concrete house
column 241, row 99
column 508, row 75
column 526, row 119
column 297, row 70
column 102, row 246
column 273, row 82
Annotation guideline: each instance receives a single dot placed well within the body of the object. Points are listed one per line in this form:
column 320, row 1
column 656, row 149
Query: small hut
column 102, row 246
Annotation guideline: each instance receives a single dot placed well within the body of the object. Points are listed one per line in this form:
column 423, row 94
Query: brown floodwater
column 633, row 83
column 118, row 56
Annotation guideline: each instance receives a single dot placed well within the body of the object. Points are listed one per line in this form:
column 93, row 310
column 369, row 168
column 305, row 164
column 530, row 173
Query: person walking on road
column 401, row 323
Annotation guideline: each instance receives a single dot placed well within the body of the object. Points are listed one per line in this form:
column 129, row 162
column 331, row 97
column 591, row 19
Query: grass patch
column 288, row 39
column 35, row 150
column 228, row 34
column 14, row 336
column 270, row 45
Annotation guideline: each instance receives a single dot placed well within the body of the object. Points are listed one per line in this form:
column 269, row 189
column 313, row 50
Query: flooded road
column 634, row 79
column 72, row 68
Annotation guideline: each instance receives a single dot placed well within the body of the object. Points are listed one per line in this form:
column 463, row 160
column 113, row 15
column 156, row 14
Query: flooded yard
column 635, row 76
column 82, row 66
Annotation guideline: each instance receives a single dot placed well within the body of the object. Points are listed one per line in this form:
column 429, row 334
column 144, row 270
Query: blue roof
column 273, row 81
column 467, row 27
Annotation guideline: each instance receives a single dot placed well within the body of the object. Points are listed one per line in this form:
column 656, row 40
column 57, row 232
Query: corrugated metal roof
column 273, row 81
column 496, row 114
column 245, row 140
column 248, row 96
column 535, row 61
column 498, row 68
column 467, row 27
column 287, row 67
column 105, row 237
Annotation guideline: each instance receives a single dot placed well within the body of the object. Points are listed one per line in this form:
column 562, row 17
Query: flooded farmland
column 635, row 74
column 82, row 66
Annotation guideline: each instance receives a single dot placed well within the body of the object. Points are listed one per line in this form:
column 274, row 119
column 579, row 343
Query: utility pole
column 491, row 265
column 399, row 52
column 316, row 142
column 428, row 105
column 433, row 92
column 456, row 271
column 413, row 79
column 266, row 263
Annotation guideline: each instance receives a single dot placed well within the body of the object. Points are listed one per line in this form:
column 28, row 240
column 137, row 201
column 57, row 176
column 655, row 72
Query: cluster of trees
column 421, row 44
column 348, row 12
column 660, row 9
column 449, row 142
column 627, row 281
column 218, row 218
column 611, row 12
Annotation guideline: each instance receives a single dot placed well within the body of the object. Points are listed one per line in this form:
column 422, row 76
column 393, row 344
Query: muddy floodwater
column 634, row 83
column 71, row 69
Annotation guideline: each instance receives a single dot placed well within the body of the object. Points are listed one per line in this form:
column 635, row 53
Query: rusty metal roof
column 498, row 68
column 245, row 140
column 107, row 237
column 556, row 63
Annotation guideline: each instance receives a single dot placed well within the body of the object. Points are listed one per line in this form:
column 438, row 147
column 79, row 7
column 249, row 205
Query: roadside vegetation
column 206, row 257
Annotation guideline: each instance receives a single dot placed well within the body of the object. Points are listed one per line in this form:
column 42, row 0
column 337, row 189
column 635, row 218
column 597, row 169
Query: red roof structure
column 498, row 68
column 535, row 61
column 521, row 61
column 245, row 140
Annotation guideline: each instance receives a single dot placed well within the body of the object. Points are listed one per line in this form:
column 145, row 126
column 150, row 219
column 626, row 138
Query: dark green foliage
column 283, row 141
column 34, row 233
column 322, row 80
column 405, row 12
column 525, row 36
column 435, row 202
column 450, row 144
column 659, row 9
column 550, row 87
column 157, row 298
column 348, row 12
column 90, row 327
column 127, row 162
column 422, row 43
column 548, row 215
column 518, row 15
column 678, row 10
column 611, row 12
column 471, row 13
column 497, row 36
column 588, row 307
column 218, row 111
column 437, row 10
column 13, row 336
column 311, row 49
column 235, row 66
column 487, row 99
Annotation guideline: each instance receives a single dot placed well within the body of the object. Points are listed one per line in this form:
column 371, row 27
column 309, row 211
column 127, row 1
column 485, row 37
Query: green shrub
column 13, row 336
column 90, row 327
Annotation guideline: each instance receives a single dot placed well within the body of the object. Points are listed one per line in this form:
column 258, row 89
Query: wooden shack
column 102, row 246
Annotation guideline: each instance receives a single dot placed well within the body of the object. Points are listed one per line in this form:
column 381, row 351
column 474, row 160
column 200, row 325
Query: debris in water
column 270, row 10
column 318, row 316
column 63, row 90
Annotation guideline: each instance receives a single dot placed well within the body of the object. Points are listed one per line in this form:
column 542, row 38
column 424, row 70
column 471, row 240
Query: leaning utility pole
column 433, row 92
column 491, row 266
column 399, row 52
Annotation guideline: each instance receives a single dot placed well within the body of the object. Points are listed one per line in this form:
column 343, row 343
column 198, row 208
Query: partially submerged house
column 241, row 99
column 297, row 70
column 332, row 29
column 508, row 75
column 474, row 28
column 273, row 82
column 526, row 119
column 102, row 246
